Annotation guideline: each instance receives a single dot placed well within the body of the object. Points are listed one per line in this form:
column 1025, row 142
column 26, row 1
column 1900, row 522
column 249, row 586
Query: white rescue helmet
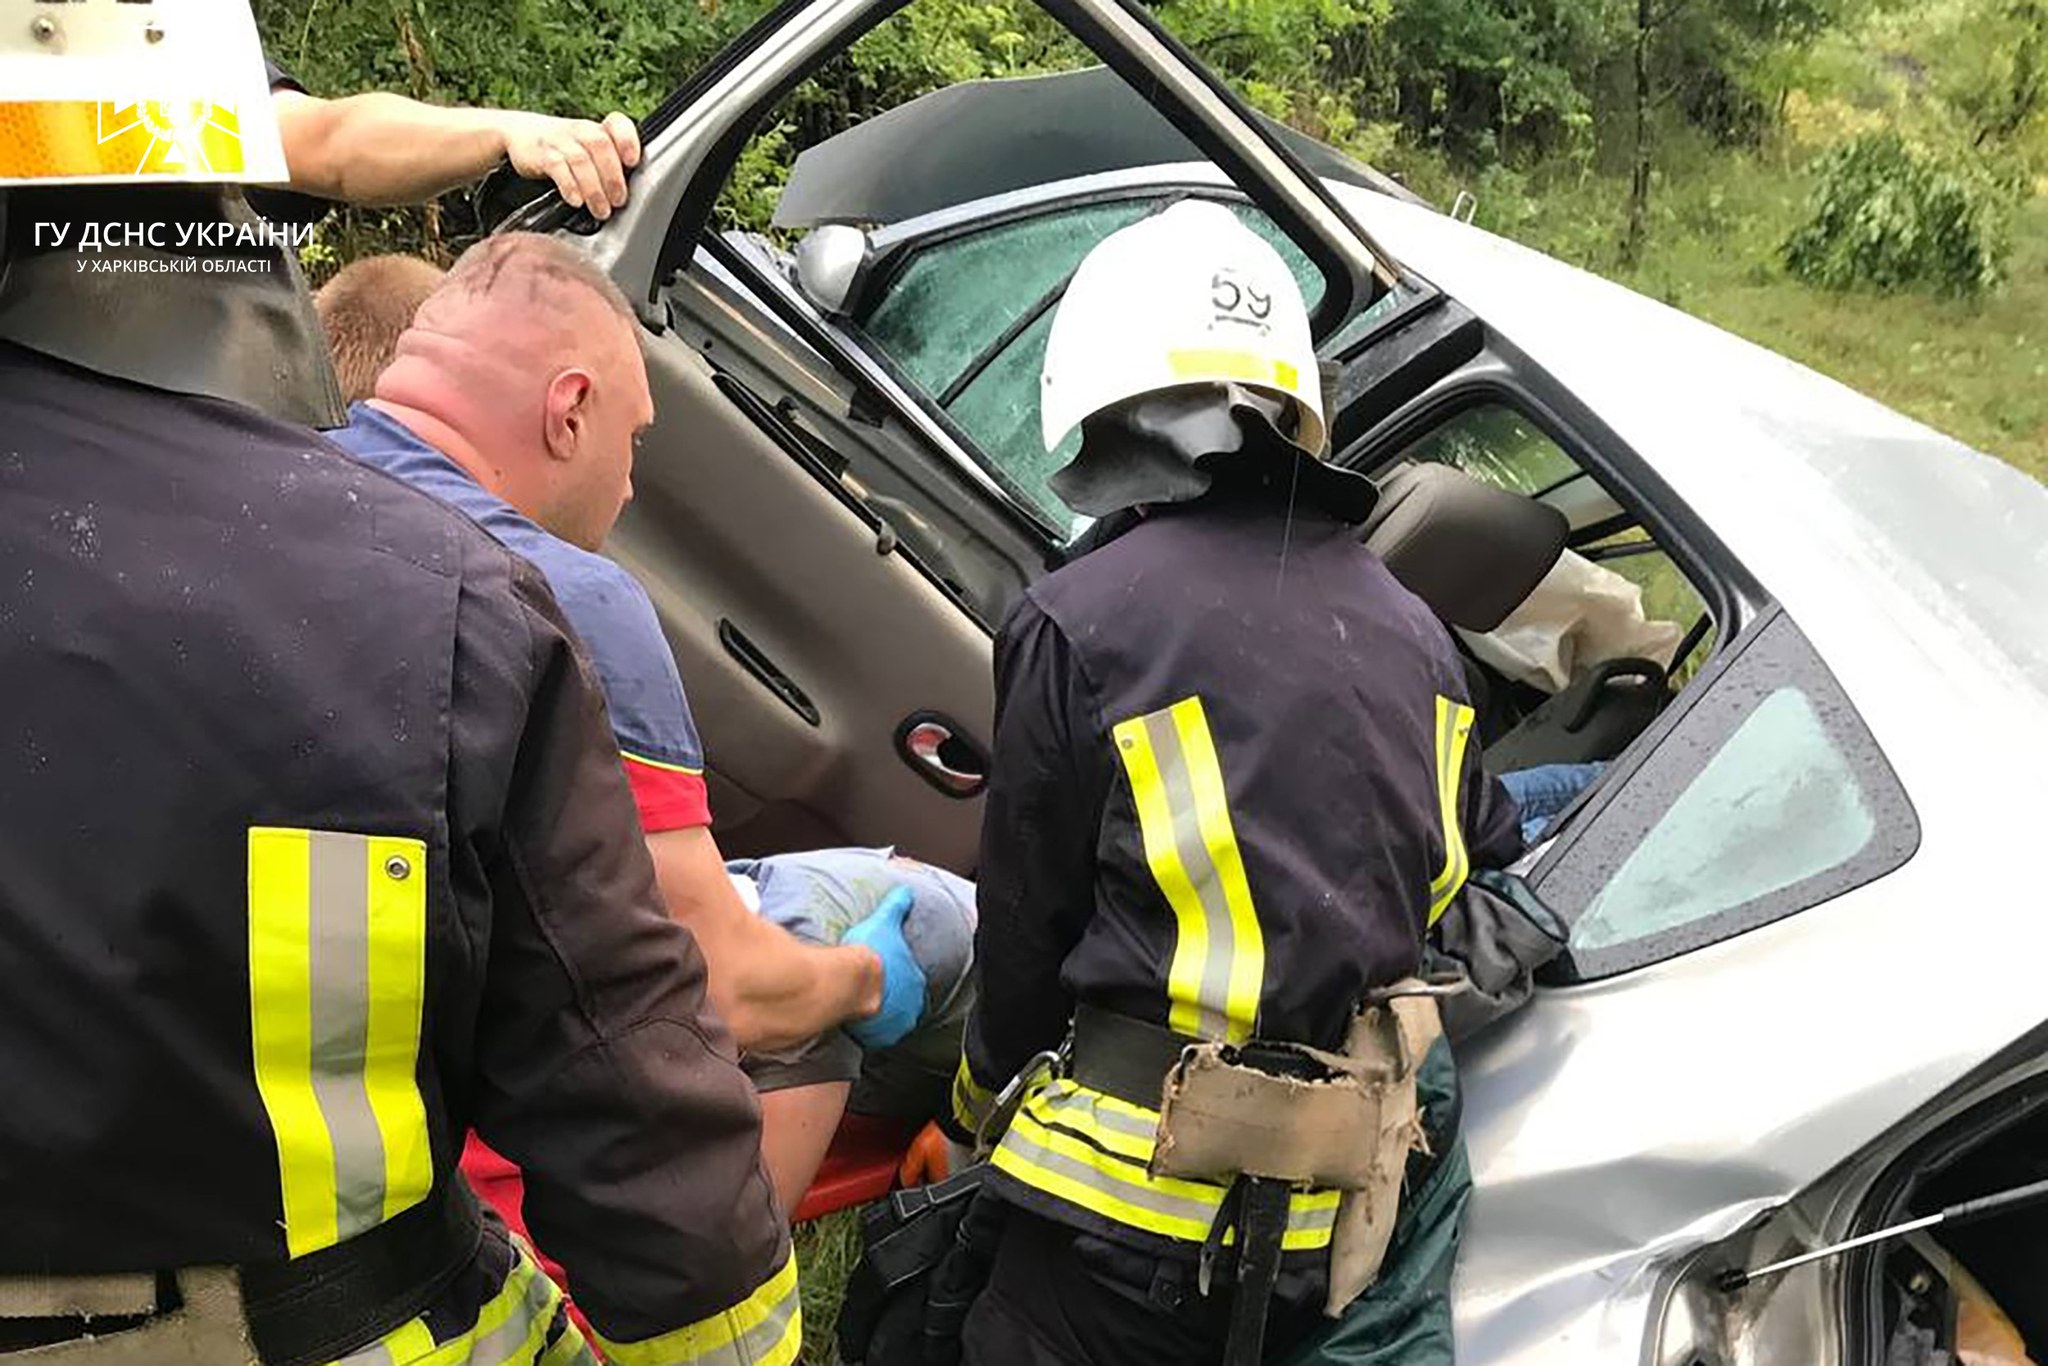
column 117, row 93
column 1189, row 296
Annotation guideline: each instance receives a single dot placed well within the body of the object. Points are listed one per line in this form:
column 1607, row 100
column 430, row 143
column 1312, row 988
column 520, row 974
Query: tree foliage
column 1889, row 216
column 1467, row 84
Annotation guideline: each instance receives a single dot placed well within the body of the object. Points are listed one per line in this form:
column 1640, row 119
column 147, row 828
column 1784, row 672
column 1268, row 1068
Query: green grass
column 1977, row 370
column 826, row 1250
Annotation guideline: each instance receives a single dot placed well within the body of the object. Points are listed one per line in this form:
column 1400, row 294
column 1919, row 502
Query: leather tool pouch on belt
column 1289, row 1113
column 189, row 1318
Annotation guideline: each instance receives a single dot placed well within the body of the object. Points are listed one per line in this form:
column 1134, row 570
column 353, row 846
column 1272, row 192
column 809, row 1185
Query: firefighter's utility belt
column 300, row 1313
column 1264, row 1118
column 1123, row 1057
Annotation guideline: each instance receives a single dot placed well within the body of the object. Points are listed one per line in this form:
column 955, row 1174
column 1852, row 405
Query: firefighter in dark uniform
column 1232, row 786
column 315, row 849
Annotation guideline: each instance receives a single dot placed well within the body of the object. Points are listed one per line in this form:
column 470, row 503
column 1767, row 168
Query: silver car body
column 1617, row 1128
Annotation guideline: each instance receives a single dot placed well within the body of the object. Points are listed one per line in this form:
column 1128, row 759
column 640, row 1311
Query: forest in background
column 1855, row 183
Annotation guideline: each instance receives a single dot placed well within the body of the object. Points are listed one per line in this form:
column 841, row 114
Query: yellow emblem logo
column 146, row 139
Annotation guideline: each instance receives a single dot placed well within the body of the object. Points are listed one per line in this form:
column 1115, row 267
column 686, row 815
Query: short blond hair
column 365, row 308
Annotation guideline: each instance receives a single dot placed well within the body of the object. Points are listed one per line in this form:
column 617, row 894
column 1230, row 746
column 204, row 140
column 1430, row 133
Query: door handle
column 937, row 752
column 756, row 662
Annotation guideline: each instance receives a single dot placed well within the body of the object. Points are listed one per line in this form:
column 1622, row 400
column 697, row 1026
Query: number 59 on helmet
column 1189, row 296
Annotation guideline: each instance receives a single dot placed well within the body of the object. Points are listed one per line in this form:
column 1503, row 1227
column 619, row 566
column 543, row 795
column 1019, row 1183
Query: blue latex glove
column 902, row 978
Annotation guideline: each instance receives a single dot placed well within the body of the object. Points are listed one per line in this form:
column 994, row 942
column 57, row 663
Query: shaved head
column 524, row 366
column 364, row 310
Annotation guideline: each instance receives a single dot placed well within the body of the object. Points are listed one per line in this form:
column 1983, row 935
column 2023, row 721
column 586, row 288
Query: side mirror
column 830, row 263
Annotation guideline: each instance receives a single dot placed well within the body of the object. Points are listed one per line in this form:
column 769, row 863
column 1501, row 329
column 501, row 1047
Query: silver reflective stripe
column 757, row 1342
column 1200, row 867
column 764, row 1329
column 339, row 885
column 502, row 1345
column 1312, row 1218
column 1063, row 1101
column 517, row 1339
column 1135, row 1191
column 1064, row 1095
column 569, row 1350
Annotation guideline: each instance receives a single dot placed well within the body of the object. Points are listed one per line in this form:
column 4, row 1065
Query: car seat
column 1469, row 550
column 1474, row 552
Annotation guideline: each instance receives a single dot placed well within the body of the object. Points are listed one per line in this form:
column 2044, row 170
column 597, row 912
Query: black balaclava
column 1166, row 447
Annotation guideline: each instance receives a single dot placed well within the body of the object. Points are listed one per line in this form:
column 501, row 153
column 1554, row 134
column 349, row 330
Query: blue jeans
column 1542, row 792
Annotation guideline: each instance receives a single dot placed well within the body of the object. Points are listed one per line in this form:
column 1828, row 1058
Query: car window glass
column 1778, row 790
column 1311, row 281
column 948, row 321
column 1495, row 443
column 1000, row 410
column 955, row 299
column 1304, row 270
column 916, row 120
column 1766, row 796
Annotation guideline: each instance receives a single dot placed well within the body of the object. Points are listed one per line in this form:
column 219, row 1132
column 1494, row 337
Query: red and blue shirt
column 607, row 606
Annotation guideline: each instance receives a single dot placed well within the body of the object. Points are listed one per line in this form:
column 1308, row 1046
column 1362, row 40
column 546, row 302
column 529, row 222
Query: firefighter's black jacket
column 213, row 624
column 1333, row 701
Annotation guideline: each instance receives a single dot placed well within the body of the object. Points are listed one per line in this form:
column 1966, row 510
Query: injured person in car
column 808, row 1086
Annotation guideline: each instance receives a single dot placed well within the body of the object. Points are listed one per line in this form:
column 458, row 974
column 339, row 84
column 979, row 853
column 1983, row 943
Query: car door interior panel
column 803, row 639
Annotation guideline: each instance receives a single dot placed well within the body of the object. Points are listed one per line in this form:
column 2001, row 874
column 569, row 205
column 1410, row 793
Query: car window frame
column 898, row 245
column 1502, row 375
column 970, row 475
column 1596, row 843
column 695, row 136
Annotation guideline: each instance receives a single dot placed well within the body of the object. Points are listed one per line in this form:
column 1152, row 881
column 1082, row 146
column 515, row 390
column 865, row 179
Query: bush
column 1888, row 216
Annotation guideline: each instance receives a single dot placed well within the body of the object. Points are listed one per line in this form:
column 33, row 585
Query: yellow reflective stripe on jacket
column 1090, row 1150
column 569, row 1350
column 971, row 1100
column 511, row 1329
column 1219, row 955
column 764, row 1329
column 1453, row 729
column 337, row 985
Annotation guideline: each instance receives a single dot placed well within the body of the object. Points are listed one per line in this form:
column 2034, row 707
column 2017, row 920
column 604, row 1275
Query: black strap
column 1261, row 1229
column 318, row 1307
column 1123, row 1057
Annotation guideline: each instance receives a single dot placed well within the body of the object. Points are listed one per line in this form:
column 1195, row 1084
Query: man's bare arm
column 772, row 989
column 381, row 148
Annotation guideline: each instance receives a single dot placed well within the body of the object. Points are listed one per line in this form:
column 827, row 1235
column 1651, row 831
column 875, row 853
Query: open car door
column 829, row 548
column 830, row 552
